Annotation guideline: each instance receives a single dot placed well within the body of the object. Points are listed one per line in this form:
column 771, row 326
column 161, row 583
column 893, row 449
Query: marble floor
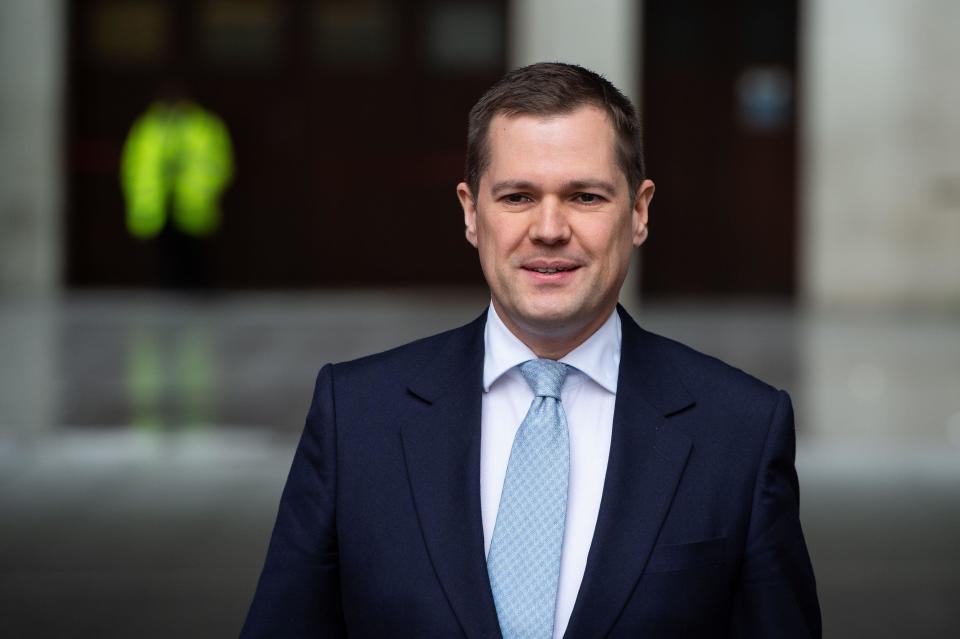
column 144, row 441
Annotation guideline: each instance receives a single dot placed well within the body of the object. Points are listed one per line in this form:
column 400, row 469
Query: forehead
column 579, row 144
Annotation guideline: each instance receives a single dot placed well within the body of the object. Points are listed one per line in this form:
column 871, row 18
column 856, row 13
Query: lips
column 555, row 271
column 549, row 267
column 550, row 270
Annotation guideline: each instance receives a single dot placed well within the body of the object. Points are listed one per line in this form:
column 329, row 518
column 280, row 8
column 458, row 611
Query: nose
column 549, row 224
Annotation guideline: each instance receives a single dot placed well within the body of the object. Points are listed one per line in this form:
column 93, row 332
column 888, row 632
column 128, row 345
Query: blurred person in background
column 550, row 469
column 177, row 161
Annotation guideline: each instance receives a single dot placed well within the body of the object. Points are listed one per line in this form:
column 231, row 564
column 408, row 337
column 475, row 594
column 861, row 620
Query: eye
column 588, row 198
column 516, row 198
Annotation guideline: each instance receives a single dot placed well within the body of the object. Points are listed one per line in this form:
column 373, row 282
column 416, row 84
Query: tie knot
column 545, row 376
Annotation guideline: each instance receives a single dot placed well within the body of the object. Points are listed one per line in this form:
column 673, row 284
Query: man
column 550, row 469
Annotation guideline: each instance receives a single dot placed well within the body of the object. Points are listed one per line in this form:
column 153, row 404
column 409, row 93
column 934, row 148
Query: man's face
column 553, row 221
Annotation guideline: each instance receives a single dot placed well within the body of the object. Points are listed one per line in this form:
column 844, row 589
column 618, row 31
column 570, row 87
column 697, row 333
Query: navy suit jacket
column 379, row 530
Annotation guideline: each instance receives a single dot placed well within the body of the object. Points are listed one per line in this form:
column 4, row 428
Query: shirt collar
column 598, row 357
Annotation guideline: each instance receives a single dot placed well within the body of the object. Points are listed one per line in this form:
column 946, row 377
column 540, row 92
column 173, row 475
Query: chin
column 552, row 318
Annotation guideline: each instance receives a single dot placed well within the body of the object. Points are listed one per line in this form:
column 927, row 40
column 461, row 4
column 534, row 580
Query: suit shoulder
column 401, row 360
column 705, row 374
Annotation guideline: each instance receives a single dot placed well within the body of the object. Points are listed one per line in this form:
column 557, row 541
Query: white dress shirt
column 588, row 398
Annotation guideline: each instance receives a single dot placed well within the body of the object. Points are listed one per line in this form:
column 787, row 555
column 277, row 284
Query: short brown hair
column 554, row 88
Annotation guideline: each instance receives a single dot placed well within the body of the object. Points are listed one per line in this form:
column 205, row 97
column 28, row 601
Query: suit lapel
column 441, row 441
column 646, row 462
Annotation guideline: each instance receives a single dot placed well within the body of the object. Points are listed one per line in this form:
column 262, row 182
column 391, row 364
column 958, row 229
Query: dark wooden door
column 719, row 96
column 348, row 122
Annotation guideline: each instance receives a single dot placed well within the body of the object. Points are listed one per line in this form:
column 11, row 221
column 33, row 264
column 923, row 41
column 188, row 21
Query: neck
column 553, row 342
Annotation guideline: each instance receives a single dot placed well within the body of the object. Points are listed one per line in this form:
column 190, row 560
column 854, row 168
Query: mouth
column 550, row 270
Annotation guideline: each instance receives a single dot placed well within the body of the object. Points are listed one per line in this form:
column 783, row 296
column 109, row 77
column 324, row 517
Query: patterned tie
column 524, row 559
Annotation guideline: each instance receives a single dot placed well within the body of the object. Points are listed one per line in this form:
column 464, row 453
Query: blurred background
column 201, row 202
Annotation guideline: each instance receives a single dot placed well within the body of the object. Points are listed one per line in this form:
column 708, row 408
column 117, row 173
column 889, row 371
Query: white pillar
column 601, row 36
column 32, row 40
column 881, row 157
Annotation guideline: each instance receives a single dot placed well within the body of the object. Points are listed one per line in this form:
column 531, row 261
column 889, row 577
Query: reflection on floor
column 144, row 441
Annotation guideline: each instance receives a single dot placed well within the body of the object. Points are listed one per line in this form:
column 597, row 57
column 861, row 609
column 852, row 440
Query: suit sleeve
column 298, row 594
column 776, row 594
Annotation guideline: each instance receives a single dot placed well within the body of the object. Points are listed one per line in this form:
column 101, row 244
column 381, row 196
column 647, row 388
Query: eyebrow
column 591, row 185
column 510, row 185
column 572, row 185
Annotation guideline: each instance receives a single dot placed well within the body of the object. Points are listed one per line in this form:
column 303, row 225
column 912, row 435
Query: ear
column 469, row 206
column 641, row 206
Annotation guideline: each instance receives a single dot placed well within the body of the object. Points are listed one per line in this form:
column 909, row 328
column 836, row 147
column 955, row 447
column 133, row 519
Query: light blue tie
column 524, row 559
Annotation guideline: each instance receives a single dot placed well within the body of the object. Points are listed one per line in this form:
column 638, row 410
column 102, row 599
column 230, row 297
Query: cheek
column 611, row 247
column 499, row 238
column 491, row 253
column 603, row 241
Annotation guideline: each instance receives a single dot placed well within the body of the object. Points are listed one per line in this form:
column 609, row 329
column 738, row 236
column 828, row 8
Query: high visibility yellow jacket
column 180, row 152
